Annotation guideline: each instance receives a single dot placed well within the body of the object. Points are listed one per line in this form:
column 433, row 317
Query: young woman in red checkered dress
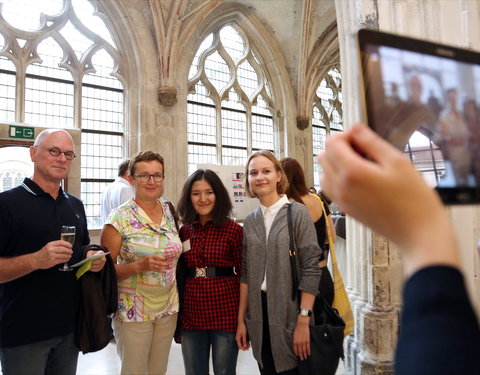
column 212, row 246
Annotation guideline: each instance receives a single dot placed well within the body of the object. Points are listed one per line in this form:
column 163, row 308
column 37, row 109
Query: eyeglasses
column 145, row 177
column 55, row 152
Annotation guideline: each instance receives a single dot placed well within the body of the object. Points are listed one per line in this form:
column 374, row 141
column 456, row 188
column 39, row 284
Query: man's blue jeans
column 55, row 356
column 196, row 351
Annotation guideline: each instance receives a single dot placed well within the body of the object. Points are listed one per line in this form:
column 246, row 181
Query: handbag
column 326, row 334
column 341, row 302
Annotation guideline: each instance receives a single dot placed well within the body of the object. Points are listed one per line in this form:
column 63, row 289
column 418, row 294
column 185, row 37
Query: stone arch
column 138, row 51
column 325, row 55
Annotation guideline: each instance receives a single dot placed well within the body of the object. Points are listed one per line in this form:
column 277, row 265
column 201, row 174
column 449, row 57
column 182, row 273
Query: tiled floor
column 106, row 362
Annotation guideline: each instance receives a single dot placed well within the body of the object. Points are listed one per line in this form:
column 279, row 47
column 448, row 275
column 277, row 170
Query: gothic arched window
column 230, row 107
column 7, row 88
column 59, row 67
column 327, row 114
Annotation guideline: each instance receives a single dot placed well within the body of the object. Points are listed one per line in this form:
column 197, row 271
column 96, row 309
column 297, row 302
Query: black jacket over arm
column 99, row 299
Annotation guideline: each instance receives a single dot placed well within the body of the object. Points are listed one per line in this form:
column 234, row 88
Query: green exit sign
column 21, row 132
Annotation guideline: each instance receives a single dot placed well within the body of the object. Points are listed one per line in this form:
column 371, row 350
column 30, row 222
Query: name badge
column 186, row 246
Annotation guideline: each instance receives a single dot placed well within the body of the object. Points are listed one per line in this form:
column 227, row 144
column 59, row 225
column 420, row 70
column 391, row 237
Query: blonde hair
column 282, row 185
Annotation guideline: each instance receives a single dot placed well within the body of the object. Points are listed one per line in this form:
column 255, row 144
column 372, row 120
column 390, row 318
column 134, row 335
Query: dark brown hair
column 296, row 179
column 123, row 167
column 223, row 204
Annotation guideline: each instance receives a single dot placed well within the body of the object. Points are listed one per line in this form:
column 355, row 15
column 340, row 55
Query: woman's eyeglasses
column 145, row 177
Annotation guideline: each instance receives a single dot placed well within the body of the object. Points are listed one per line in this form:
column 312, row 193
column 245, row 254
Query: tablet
column 424, row 98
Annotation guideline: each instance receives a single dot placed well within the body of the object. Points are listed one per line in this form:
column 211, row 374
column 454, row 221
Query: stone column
column 369, row 349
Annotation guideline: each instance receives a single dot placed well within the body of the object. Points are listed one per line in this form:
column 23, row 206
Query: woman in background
column 142, row 238
column 297, row 191
column 278, row 326
column 212, row 245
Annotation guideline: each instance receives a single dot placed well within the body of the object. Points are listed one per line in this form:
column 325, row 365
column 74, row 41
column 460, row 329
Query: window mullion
column 77, row 100
column 218, row 117
column 20, row 94
column 249, row 129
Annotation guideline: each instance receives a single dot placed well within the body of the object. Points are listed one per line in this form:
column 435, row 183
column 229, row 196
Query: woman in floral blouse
column 212, row 245
column 142, row 237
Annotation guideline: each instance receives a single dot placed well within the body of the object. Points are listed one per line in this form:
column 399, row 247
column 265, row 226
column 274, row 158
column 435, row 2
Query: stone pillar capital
column 303, row 122
column 167, row 96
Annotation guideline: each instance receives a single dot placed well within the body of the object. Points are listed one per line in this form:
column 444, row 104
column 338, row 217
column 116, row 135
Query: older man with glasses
column 38, row 303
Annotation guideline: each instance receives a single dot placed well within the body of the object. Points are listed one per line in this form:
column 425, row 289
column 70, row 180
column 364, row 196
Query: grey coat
column 273, row 255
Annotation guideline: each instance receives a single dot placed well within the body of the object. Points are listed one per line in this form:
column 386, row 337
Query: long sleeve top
column 212, row 303
column 439, row 332
column 270, row 255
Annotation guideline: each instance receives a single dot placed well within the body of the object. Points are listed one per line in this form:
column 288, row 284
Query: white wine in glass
column 67, row 234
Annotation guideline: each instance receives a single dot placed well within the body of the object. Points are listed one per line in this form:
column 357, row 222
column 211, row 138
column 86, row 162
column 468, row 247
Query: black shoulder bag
column 326, row 335
column 181, row 273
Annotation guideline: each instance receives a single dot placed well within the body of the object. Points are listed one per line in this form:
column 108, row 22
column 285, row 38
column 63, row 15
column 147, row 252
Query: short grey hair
column 46, row 132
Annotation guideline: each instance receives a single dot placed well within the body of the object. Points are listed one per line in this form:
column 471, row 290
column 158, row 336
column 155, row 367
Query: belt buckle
column 201, row 272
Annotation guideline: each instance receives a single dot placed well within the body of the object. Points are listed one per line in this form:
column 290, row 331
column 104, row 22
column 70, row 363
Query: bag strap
column 330, row 242
column 340, row 301
column 292, row 253
column 174, row 214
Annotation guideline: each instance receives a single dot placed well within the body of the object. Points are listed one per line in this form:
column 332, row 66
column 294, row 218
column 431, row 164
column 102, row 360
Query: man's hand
column 53, row 253
column 97, row 264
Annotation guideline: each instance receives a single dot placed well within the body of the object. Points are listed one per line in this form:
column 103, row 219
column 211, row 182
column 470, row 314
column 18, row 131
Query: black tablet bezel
column 368, row 37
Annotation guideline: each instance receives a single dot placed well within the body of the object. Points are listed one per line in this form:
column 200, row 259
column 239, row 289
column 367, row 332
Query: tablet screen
column 424, row 98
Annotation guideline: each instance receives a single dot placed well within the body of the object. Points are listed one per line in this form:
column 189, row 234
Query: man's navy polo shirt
column 44, row 303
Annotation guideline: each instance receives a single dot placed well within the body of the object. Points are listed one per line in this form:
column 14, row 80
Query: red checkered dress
column 212, row 303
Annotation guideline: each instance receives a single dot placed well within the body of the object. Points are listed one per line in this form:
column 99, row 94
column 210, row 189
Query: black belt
column 211, row 271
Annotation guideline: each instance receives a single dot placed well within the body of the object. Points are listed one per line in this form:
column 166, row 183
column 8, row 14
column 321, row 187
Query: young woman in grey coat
column 268, row 318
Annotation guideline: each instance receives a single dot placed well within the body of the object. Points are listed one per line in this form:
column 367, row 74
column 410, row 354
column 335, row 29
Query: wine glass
column 67, row 234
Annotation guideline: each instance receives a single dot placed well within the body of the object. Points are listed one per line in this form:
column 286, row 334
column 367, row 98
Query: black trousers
column 326, row 287
column 267, row 356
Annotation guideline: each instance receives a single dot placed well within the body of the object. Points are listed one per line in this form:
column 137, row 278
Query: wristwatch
column 304, row 312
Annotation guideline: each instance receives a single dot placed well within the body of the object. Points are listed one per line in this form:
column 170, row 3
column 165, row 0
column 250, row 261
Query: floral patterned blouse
column 147, row 295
